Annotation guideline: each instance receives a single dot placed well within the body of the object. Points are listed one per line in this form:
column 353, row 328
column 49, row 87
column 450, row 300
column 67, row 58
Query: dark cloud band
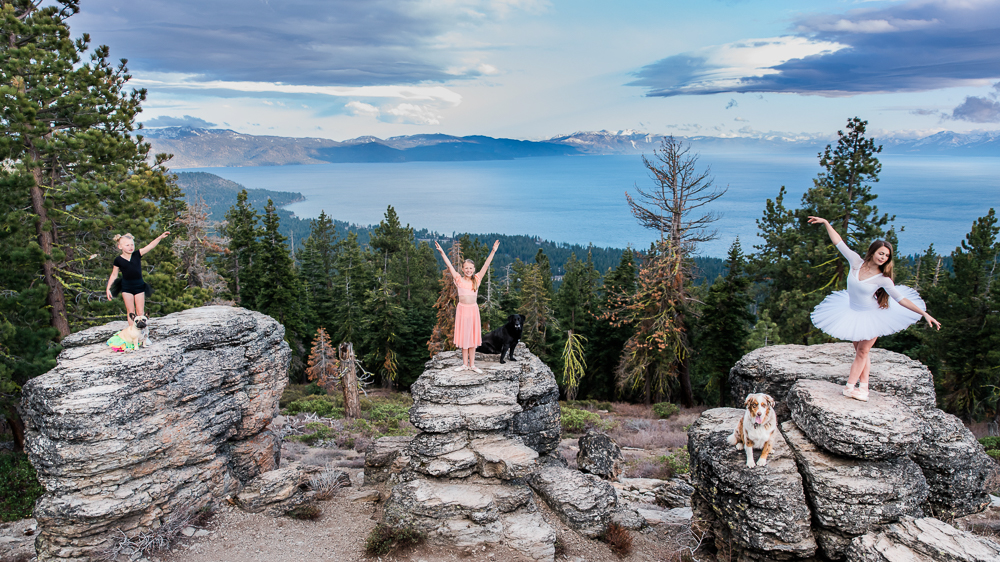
column 916, row 46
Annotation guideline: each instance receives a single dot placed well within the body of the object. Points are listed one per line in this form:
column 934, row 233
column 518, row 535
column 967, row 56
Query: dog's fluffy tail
column 732, row 438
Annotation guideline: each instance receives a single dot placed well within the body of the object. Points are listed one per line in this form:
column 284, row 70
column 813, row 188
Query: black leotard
column 131, row 273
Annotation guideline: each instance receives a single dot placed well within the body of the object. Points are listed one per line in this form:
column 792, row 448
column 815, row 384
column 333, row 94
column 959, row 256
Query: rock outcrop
column 922, row 540
column 583, row 501
column 774, row 369
column 882, row 428
column 762, row 510
column 461, row 479
column 600, row 455
column 868, row 468
column 130, row 440
column 850, row 496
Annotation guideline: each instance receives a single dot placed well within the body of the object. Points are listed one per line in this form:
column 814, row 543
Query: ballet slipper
column 848, row 390
column 860, row 394
column 460, row 368
column 478, row 370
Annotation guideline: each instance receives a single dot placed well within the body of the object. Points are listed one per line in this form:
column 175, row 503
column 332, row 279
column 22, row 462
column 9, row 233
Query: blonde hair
column 118, row 238
column 474, row 287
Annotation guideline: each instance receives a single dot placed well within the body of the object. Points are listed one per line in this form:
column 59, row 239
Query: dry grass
column 619, row 539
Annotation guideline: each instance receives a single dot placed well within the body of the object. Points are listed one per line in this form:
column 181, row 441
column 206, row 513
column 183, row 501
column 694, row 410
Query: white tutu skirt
column 836, row 317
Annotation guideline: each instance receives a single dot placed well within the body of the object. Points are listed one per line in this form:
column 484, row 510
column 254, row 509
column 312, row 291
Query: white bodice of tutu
column 861, row 293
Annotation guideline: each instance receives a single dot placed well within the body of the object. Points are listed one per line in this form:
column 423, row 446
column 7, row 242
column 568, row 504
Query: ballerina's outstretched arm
column 852, row 257
column 890, row 288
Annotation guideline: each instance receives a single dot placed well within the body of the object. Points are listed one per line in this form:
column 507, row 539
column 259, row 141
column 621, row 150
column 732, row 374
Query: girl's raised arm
column 852, row 257
column 114, row 275
column 151, row 245
column 447, row 262
column 486, row 266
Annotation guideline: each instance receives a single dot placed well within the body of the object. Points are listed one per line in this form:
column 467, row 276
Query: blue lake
column 581, row 199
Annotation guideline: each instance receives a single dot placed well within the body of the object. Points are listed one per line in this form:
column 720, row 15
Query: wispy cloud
column 186, row 121
column 979, row 109
column 323, row 42
column 911, row 46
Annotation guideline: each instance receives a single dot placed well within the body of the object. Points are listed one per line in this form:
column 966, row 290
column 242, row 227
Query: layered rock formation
column 761, row 511
column 130, row 440
column 864, row 466
column 461, row 479
column 919, row 540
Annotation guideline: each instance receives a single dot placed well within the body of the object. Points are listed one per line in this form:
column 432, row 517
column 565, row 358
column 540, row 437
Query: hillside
column 208, row 148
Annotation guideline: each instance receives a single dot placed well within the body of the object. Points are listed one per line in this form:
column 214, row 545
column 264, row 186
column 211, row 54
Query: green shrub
column 321, row 405
column 995, row 453
column 664, row 410
column 678, row 462
column 990, row 443
column 313, row 389
column 578, row 421
column 384, row 539
column 320, row 432
column 387, row 412
column 19, row 487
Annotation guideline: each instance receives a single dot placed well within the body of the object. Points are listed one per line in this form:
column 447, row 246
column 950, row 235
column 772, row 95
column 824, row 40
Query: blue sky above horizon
column 534, row 69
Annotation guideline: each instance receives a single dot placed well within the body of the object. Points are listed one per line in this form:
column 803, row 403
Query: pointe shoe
column 478, row 370
column 848, row 391
column 860, row 394
column 460, row 368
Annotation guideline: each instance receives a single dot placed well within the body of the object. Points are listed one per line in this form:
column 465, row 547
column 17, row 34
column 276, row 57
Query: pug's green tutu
column 118, row 344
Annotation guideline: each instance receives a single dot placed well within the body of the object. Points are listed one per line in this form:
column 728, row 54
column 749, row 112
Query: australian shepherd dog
column 758, row 428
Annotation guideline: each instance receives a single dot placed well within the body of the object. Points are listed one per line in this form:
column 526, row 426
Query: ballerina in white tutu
column 864, row 311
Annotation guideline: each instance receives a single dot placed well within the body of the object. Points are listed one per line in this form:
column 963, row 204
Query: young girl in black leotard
column 133, row 288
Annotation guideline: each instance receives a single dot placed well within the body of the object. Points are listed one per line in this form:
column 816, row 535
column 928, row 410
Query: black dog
column 504, row 339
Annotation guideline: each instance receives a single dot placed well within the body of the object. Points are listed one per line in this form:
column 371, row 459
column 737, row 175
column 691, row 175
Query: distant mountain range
column 206, row 148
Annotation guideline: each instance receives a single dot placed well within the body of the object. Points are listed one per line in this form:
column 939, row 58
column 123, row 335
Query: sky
column 534, row 69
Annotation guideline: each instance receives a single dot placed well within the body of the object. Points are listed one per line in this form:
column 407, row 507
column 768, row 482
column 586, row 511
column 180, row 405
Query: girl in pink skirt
column 864, row 311
column 468, row 326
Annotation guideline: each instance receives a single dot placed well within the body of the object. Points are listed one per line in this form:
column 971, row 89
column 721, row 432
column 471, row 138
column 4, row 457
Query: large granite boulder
column 471, row 513
column 762, row 510
column 849, row 497
column 774, row 369
column 960, row 474
column 583, row 501
column 600, row 455
column 463, row 479
column 129, row 440
column 517, row 398
column 881, row 428
column 922, row 540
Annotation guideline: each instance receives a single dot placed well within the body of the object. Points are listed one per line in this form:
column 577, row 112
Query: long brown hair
column 886, row 268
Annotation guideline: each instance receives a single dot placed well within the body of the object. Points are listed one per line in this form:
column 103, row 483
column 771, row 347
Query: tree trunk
column 684, row 374
column 352, row 406
column 56, row 300
column 17, row 430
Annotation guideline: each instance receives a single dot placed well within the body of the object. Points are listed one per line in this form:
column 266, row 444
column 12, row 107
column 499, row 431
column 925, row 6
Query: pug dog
column 137, row 334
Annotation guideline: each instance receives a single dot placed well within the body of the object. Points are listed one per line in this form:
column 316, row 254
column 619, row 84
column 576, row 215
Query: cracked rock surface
column 922, row 540
column 128, row 440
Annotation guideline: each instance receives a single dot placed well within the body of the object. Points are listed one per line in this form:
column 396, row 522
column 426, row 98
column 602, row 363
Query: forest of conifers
column 74, row 173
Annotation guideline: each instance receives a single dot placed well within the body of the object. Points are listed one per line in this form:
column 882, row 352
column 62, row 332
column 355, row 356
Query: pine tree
column 386, row 321
column 323, row 366
column 443, row 333
column 764, row 333
column 318, row 258
column 725, row 326
column 968, row 343
column 680, row 189
column 535, row 306
column 240, row 271
column 608, row 337
column 351, row 283
column 574, row 363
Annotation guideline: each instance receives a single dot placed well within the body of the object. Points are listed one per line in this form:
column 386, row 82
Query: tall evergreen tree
column 608, row 337
column 724, row 327
column 318, row 261
column 535, row 306
column 241, row 229
column 968, row 343
column 443, row 334
column 679, row 190
column 351, row 283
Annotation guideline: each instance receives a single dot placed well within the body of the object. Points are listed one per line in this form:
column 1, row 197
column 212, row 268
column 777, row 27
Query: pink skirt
column 468, row 326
